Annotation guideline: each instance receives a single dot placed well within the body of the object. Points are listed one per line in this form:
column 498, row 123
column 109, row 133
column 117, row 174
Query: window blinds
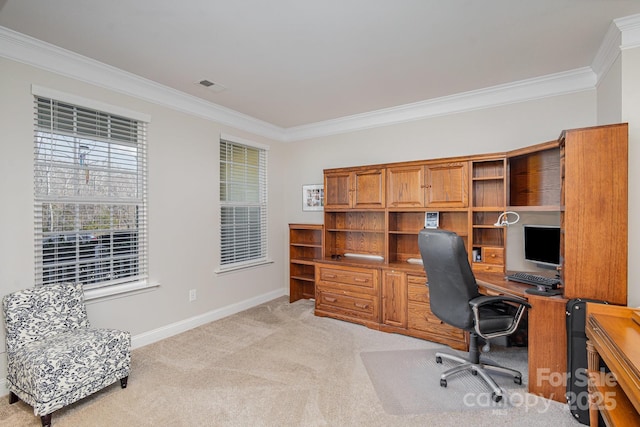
column 243, row 204
column 90, row 195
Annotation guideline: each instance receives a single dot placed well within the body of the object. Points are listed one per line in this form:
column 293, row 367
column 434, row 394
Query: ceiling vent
column 215, row 87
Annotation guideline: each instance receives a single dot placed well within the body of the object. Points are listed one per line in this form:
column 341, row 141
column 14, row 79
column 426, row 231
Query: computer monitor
column 542, row 245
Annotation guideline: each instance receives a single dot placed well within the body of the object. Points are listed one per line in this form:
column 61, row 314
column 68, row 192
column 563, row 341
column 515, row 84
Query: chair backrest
column 33, row 314
column 450, row 279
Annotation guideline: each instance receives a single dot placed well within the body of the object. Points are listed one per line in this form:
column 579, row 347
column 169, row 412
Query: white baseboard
column 167, row 331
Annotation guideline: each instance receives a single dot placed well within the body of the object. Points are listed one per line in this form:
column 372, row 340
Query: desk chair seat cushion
column 53, row 357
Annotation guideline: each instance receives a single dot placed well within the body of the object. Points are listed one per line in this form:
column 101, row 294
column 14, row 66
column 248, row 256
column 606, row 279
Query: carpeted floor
column 273, row 365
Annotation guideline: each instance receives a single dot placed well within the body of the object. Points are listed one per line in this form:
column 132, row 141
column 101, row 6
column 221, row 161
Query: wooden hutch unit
column 369, row 272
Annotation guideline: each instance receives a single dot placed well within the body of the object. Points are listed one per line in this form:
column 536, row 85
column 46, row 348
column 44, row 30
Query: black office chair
column 455, row 299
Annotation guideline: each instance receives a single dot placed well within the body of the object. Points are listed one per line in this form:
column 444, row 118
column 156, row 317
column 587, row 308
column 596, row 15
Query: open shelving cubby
column 360, row 232
column 305, row 246
column 488, row 194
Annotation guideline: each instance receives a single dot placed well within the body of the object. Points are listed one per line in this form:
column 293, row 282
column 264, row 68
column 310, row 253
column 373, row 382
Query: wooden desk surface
column 616, row 339
column 498, row 283
column 547, row 335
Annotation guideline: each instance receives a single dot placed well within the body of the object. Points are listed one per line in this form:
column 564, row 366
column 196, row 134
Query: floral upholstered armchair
column 53, row 357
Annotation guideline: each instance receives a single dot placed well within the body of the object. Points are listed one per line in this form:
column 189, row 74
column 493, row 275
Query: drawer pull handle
column 330, row 299
column 358, row 279
column 360, row 305
column 330, row 276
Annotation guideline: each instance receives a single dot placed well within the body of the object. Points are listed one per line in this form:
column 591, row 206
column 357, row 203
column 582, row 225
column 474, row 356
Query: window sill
column 232, row 268
column 118, row 290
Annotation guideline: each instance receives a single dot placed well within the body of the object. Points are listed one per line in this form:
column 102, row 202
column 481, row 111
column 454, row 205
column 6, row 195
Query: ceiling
column 295, row 62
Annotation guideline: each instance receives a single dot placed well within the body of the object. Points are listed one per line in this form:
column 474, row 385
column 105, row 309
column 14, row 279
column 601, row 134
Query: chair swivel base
column 480, row 368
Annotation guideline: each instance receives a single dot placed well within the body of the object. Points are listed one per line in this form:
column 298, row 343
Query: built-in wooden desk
column 497, row 284
column 547, row 335
column 614, row 337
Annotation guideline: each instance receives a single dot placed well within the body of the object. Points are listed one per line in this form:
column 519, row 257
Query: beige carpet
column 273, row 365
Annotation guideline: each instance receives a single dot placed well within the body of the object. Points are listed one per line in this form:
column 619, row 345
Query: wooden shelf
column 487, row 245
column 308, row 277
column 305, row 245
column 352, row 230
column 545, row 208
column 300, row 260
column 488, row 178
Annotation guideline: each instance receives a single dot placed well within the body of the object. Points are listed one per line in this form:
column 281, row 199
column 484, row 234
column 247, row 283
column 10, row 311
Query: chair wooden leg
column 13, row 398
column 123, row 382
column 46, row 420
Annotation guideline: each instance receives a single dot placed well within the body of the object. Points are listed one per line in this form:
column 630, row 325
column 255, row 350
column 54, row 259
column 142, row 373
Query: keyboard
column 534, row 279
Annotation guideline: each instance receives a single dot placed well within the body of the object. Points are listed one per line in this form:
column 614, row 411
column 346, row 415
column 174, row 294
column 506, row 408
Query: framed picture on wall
column 313, row 197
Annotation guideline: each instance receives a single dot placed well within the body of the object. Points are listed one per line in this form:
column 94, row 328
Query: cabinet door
column 394, row 299
column 337, row 190
column 447, row 185
column 369, row 188
column 405, row 187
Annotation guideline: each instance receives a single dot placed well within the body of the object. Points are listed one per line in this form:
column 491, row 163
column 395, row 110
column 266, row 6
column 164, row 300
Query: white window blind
column 243, row 205
column 90, row 208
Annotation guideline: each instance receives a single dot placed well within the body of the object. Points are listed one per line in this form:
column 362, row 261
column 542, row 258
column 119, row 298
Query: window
column 243, row 205
column 90, row 195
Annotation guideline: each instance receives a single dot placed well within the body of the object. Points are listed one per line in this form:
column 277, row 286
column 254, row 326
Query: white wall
column 610, row 95
column 183, row 213
column 631, row 114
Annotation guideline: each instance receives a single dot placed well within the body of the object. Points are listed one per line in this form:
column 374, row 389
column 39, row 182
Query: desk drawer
column 493, row 256
column 360, row 306
column 422, row 319
column 417, row 289
column 357, row 279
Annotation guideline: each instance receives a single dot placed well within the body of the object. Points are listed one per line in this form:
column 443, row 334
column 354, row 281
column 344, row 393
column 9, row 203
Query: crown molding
column 608, row 52
column 525, row 90
column 624, row 33
column 630, row 28
column 34, row 52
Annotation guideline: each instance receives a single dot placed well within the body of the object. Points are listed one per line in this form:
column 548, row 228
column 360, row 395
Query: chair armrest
column 491, row 299
column 478, row 302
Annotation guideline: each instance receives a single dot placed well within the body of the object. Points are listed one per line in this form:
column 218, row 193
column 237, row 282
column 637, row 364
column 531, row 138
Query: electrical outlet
column 192, row 295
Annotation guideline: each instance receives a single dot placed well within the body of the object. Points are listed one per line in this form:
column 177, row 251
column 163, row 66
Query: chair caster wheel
column 443, row 383
column 439, row 360
column 496, row 397
column 518, row 380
